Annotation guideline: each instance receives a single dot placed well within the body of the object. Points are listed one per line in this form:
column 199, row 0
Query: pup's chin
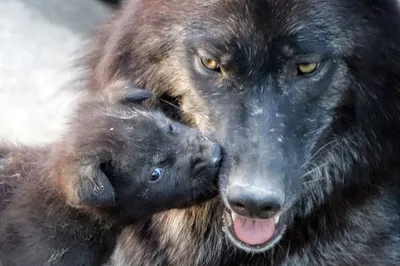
column 253, row 235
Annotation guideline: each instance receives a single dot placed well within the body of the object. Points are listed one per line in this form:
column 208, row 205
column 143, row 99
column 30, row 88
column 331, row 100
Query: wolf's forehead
column 252, row 27
column 250, row 15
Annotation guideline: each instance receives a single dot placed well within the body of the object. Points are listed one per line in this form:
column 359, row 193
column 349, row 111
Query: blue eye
column 156, row 174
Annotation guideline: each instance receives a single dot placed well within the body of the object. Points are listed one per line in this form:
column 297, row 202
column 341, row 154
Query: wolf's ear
column 134, row 94
column 93, row 186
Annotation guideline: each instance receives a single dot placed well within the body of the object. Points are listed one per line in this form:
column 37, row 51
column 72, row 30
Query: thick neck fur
column 37, row 208
column 38, row 171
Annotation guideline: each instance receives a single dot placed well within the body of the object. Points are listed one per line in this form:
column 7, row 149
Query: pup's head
column 135, row 162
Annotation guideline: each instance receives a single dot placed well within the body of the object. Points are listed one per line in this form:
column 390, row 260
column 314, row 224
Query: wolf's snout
column 254, row 203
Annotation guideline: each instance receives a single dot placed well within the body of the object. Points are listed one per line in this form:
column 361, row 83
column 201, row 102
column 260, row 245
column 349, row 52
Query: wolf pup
column 117, row 164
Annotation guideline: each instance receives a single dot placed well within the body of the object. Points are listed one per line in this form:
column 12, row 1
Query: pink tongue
column 252, row 231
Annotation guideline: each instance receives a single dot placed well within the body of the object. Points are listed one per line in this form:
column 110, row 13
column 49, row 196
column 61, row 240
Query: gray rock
column 38, row 41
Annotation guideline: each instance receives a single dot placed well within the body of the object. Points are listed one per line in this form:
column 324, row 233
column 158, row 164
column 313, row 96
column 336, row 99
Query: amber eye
column 210, row 64
column 307, row 68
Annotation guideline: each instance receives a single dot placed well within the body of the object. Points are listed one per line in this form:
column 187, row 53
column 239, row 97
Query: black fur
column 320, row 149
column 65, row 204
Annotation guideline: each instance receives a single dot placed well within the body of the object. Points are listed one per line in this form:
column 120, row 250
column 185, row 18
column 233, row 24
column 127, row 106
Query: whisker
column 319, row 150
column 169, row 103
column 335, row 141
column 314, row 169
column 315, row 180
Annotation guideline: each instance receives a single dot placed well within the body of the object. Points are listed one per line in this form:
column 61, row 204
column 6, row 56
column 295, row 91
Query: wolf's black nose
column 261, row 203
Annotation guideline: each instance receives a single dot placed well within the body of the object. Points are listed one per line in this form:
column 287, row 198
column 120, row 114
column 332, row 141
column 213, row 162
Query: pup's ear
column 134, row 94
column 93, row 186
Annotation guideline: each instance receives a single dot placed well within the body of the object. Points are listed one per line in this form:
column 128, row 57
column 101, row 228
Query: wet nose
column 255, row 203
column 216, row 153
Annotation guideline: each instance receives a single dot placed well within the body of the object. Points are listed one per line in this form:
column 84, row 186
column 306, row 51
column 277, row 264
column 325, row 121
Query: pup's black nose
column 258, row 203
column 216, row 154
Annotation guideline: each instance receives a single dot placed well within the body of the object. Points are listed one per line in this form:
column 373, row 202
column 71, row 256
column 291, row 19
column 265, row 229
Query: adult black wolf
column 305, row 97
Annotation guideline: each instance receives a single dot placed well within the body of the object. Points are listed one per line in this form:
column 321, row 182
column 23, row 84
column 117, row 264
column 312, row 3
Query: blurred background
column 38, row 42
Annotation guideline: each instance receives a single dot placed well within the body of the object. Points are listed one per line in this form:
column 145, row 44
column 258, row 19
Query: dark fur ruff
column 338, row 129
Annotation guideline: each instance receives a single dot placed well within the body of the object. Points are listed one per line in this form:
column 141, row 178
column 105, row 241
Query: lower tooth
column 276, row 219
column 233, row 216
